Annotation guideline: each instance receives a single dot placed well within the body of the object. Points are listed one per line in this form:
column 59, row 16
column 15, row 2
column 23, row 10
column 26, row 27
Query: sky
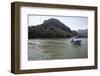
column 74, row 23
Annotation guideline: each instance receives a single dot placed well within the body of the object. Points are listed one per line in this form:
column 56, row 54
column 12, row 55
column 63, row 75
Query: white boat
column 37, row 43
column 76, row 40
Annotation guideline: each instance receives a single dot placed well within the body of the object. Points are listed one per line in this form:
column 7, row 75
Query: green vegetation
column 51, row 28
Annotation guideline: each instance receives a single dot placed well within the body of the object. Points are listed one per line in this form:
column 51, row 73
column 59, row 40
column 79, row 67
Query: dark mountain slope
column 56, row 23
column 51, row 28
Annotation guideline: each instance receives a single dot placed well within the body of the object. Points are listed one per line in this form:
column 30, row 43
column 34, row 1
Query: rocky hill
column 51, row 28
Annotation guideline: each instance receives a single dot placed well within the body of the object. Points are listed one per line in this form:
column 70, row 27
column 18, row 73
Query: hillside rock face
column 56, row 23
column 51, row 28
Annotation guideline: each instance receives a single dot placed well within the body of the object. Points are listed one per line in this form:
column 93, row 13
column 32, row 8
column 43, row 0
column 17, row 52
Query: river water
column 49, row 49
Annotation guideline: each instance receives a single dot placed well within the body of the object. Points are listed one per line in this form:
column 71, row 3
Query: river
column 49, row 49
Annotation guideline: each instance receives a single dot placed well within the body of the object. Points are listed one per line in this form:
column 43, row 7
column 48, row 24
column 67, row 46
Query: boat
column 37, row 43
column 76, row 40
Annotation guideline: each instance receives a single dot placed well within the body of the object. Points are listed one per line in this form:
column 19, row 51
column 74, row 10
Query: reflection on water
column 47, row 49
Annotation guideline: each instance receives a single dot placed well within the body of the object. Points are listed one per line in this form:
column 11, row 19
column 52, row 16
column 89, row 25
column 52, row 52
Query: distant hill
column 83, row 33
column 51, row 28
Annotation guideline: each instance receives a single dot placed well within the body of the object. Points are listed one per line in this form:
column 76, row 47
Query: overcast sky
column 74, row 23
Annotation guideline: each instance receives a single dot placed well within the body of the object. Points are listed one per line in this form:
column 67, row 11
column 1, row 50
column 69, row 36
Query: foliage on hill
column 51, row 28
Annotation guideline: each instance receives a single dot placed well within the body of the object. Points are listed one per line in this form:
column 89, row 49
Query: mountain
column 51, row 28
column 83, row 33
column 56, row 23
